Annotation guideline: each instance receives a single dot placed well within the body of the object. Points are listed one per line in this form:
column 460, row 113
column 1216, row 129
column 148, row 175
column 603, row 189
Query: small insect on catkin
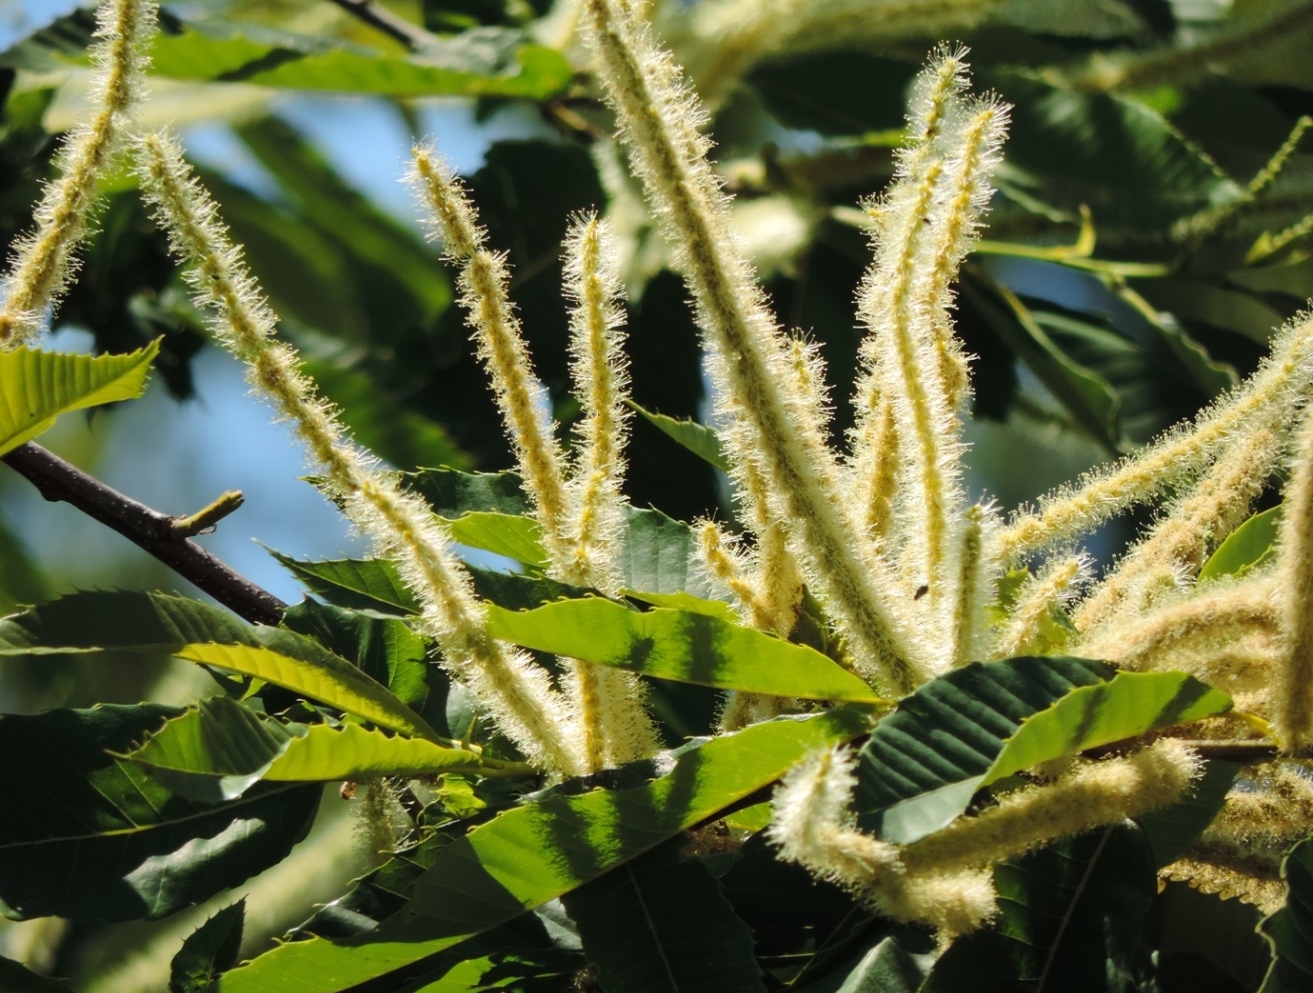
column 43, row 263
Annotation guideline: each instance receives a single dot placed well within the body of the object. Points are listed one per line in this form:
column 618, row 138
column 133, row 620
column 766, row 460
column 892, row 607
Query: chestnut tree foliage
column 793, row 675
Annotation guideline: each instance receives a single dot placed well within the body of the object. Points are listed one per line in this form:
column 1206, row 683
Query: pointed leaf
column 1290, row 930
column 518, row 538
column 1246, row 548
column 1069, row 922
column 157, row 623
column 539, row 851
column 209, row 950
column 17, row 978
column 98, row 839
column 221, row 748
column 36, row 387
column 686, row 646
column 659, row 924
column 988, row 720
column 488, row 63
column 697, row 438
column 362, row 584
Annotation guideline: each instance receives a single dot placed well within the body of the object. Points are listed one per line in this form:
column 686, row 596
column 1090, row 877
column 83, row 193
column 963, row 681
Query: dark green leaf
column 98, row 839
column 157, row 623
column 686, row 646
column 1172, row 830
column 660, row 924
column 542, row 850
column 452, row 493
column 988, row 720
column 209, row 950
column 890, row 967
column 1290, row 930
column 835, row 92
column 16, row 978
column 1069, row 922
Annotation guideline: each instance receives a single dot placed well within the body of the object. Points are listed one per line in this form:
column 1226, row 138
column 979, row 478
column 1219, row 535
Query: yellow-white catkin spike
column 43, row 264
column 1293, row 694
column 615, row 725
column 1206, row 634
column 517, row 692
column 1022, row 633
column 876, row 483
column 1268, row 399
column 812, row 824
column 1232, row 872
column 771, row 424
column 1198, row 522
column 972, row 589
column 1273, row 811
column 483, row 285
column 1092, row 794
column 927, row 221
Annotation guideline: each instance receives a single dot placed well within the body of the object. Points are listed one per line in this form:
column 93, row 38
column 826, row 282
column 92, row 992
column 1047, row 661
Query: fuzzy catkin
column 772, row 424
column 43, row 264
column 516, row 691
column 1294, row 692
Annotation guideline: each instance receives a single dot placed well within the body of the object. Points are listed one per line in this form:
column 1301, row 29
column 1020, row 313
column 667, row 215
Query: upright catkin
column 43, row 264
column 517, row 692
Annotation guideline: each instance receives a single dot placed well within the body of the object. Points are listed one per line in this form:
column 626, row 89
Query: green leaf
column 686, row 646
column 156, row 623
column 661, row 555
column 1170, row 831
column 359, row 584
column 97, row 839
column 660, row 924
column 36, row 387
column 988, row 720
column 889, row 967
column 1246, row 548
column 518, row 538
column 1069, row 922
column 835, row 92
column 217, row 750
column 539, row 851
column 208, row 951
column 1290, row 930
column 17, row 978
column 476, row 63
column 697, row 438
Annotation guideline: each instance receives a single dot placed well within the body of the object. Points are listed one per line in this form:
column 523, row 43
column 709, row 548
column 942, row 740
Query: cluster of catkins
column 884, row 534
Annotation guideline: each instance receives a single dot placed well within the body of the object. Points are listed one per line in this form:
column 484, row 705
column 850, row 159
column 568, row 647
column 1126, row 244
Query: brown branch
column 397, row 28
column 152, row 531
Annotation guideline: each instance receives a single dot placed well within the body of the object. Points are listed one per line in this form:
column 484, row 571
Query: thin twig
column 397, row 28
column 152, row 531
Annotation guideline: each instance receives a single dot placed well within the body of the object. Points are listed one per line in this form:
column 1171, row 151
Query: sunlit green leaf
column 36, row 387
column 503, row 867
column 697, row 438
column 985, row 721
column 686, row 646
column 219, row 749
column 361, row 584
column 1246, row 548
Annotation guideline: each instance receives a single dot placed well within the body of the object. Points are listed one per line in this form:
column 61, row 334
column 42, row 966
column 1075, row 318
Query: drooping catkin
column 1207, row 514
column 1092, row 794
column 516, row 691
column 1293, row 694
column 772, row 424
column 483, row 286
column 1267, row 399
column 43, row 262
